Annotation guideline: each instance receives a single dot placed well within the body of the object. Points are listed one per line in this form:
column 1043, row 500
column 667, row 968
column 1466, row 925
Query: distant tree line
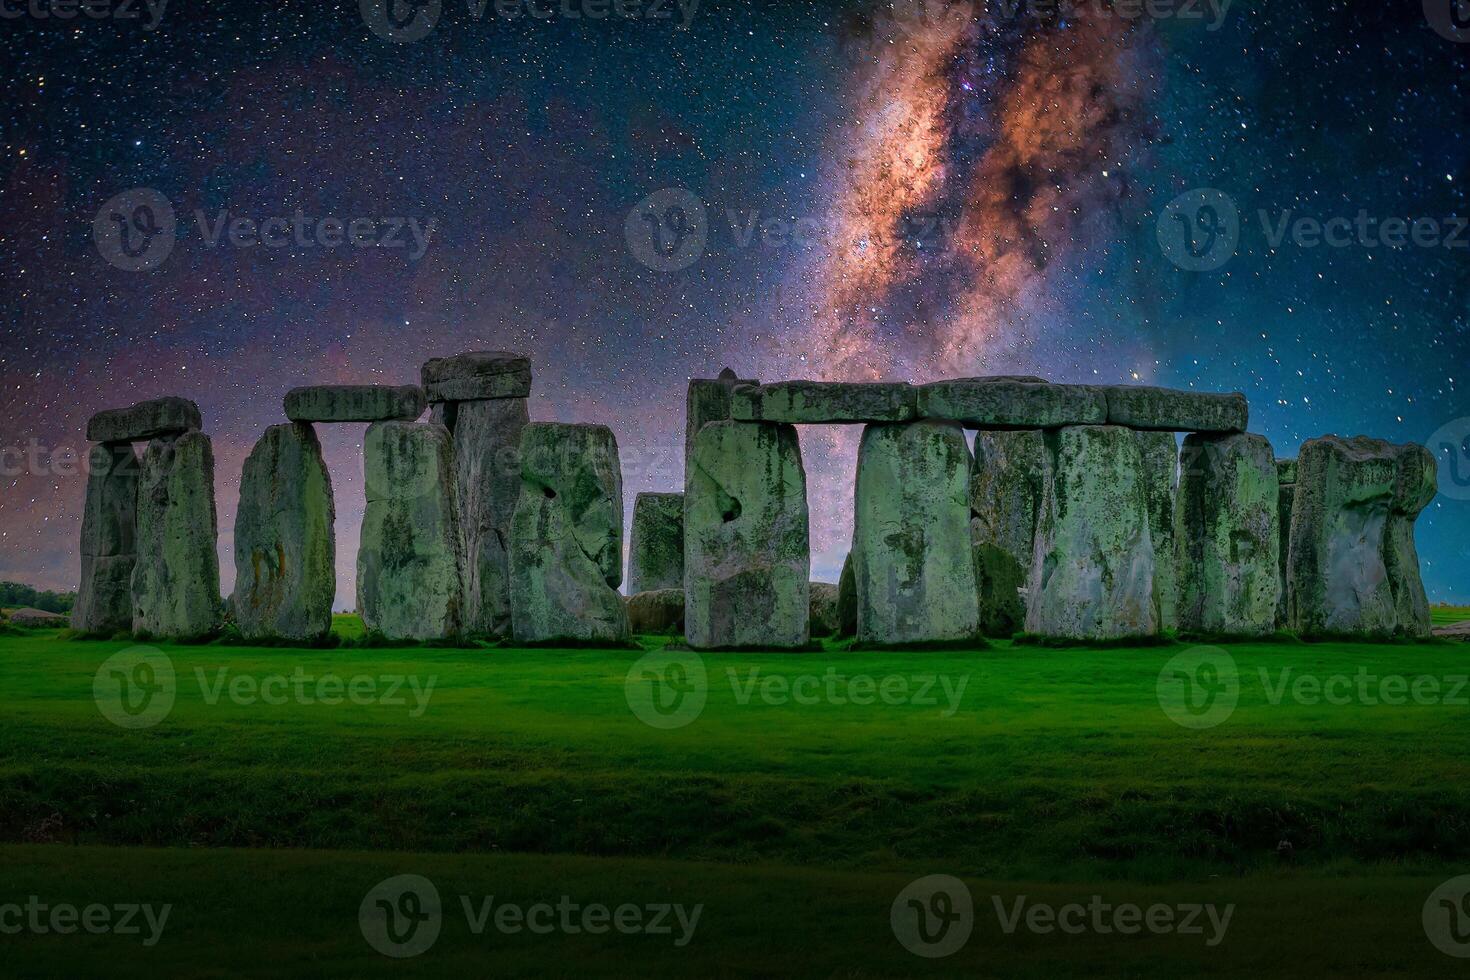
column 16, row 594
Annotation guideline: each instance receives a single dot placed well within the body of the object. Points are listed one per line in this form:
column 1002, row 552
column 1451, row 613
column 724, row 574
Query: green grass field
column 794, row 805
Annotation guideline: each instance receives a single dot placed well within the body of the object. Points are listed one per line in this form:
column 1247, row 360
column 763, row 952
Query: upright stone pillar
column 480, row 396
column 1160, row 468
column 1285, row 497
column 1353, row 569
column 1227, row 550
column 747, row 558
column 708, row 401
column 912, row 558
column 847, row 599
column 1092, row 571
column 109, row 544
column 566, row 540
column 1005, row 496
column 409, row 563
column 656, row 543
column 285, row 551
column 176, row 580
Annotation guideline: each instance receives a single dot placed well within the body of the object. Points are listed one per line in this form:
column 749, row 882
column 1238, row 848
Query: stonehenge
column 1075, row 519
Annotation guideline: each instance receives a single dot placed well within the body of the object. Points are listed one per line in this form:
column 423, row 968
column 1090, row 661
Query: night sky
column 911, row 192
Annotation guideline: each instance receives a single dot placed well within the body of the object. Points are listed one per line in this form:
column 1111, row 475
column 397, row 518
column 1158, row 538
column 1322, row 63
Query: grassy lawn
column 1445, row 615
column 796, row 802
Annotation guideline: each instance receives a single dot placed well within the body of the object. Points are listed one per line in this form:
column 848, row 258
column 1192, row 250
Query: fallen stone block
column 911, row 553
column 354, row 403
column 1228, row 535
column 152, row 419
column 656, row 611
column 656, row 542
column 285, row 549
column 1144, row 407
column 824, row 401
column 175, row 582
column 990, row 403
column 746, row 538
column 1092, row 571
column 566, row 557
column 476, row 375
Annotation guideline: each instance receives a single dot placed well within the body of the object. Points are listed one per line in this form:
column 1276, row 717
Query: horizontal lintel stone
column 477, row 375
column 824, row 401
column 354, row 403
column 1165, row 409
column 169, row 416
column 1004, row 403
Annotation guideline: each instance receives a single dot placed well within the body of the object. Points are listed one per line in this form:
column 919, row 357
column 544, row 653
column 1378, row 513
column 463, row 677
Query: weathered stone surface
column 1005, row 496
column 847, row 600
column 1164, row 409
column 176, row 579
column 656, row 542
column 487, row 481
column 410, row 569
column 475, row 375
column 1285, row 497
column 1353, row 568
column 354, row 403
column 994, row 403
column 1286, row 471
column 1160, row 471
column 824, row 401
column 822, row 609
column 656, row 611
column 285, row 551
column 566, row 557
column 708, row 400
column 911, row 553
column 105, row 599
column 1229, row 535
column 1092, row 571
column 109, row 511
column 146, row 420
column 746, row 538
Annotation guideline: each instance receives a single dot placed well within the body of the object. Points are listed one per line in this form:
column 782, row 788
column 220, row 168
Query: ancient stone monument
column 1353, row 568
column 1005, row 496
column 847, row 600
column 1228, row 536
column 566, row 537
column 480, row 397
column 176, row 579
column 285, row 551
column 708, row 400
column 656, row 611
column 410, row 567
column 746, row 543
column 1160, row 481
column 912, row 558
column 656, row 542
column 354, row 403
column 1286, row 480
column 109, row 541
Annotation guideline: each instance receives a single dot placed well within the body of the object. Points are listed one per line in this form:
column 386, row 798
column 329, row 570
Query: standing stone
column 656, row 543
column 1353, row 569
column 566, row 538
column 1092, row 571
column 708, row 401
column 176, row 580
column 1005, row 496
column 847, row 600
column 746, row 538
column 823, row 609
column 109, row 543
column 487, row 479
column 1286, row 495
column 1160, row 469
column 285, row 552
column 912, row 558
column 1227, row 552
column 409, row 563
